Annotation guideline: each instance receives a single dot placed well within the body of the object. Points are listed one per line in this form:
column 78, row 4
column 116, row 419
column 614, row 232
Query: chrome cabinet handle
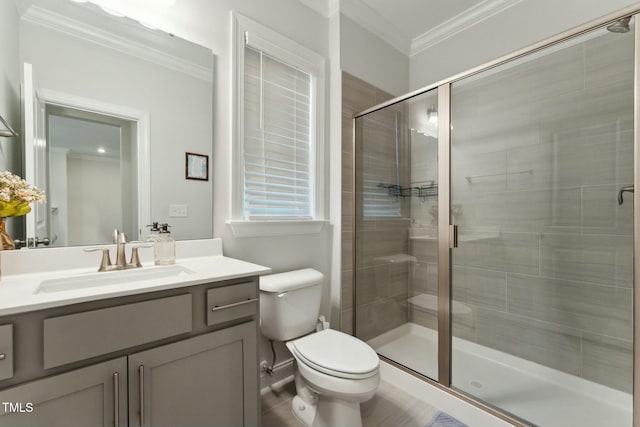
column 116, row 399
column 235, row 304
column 3, row 356
column 141, row 389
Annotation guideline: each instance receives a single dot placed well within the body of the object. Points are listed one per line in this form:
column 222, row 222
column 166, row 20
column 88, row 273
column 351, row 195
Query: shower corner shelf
column 423, row 191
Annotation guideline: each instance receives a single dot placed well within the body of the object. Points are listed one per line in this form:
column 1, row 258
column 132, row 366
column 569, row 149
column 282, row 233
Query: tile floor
column 390, row 407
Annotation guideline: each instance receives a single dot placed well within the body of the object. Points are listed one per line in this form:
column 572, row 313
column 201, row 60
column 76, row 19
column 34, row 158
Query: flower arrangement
column 16, row 194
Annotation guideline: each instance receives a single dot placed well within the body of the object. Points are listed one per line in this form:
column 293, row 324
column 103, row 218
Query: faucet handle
column 135, row 259
column 105, row 262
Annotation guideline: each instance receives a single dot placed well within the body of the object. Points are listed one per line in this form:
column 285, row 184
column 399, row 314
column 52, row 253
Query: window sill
column 274, row 228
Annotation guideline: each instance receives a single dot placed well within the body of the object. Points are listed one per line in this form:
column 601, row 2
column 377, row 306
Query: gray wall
column 173, row 100
column 10, row 148
column 366, row 56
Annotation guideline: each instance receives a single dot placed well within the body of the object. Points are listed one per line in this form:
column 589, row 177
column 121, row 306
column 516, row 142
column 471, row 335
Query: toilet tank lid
column 297, row 279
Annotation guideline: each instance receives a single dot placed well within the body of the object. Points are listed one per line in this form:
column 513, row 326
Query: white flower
column 12, row 187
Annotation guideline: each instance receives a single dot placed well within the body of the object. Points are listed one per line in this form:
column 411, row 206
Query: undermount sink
column 93, row 280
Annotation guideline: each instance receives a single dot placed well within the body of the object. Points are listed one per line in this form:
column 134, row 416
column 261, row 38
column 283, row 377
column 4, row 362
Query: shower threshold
column 538, row 394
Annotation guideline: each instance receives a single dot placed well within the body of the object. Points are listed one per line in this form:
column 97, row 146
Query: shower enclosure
column 494, row 231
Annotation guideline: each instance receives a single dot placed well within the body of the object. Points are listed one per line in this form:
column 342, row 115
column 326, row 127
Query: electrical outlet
column 178, row 211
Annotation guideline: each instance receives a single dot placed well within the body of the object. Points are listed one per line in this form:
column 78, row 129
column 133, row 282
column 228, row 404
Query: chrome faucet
column 120, row 240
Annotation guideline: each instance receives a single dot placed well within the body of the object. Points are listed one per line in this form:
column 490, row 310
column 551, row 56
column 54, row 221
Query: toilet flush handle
column 282, row 294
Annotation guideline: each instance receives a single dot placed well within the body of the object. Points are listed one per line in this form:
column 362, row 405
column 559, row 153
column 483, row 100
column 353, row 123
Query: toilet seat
column 337, row 354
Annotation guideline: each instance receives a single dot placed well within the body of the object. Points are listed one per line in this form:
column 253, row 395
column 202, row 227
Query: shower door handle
column 453, row 236
column 628, row 188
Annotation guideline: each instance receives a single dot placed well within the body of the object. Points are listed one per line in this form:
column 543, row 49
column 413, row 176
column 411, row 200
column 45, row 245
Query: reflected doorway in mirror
column 48, row 153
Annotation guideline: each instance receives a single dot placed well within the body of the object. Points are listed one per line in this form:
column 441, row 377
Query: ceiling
column 83, row 137
column 412, row 26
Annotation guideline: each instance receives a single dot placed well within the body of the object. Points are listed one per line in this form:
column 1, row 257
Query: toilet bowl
column 340, row 371
column 335, row 372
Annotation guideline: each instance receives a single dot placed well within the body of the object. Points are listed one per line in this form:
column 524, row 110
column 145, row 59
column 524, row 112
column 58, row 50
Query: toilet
column 334, row 371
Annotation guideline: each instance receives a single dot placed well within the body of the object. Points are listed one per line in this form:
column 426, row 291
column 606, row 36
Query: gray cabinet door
column 88, row 397
column 208, row 380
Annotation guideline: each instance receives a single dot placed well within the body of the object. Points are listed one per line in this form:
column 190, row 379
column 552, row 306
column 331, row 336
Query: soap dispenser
column 164, row 247
column 154, row 230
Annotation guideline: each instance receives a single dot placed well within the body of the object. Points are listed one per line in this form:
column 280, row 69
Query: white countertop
column 19, row 292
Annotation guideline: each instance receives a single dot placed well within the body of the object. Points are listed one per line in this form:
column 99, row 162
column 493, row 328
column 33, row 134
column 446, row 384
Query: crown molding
column 373, row 21
column 40, row 16
column 376, row 23
column 325, row 8
column 467, row 19
column 334, row 7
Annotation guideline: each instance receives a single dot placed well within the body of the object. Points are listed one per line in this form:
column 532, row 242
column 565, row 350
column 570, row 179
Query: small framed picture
column 197, row 166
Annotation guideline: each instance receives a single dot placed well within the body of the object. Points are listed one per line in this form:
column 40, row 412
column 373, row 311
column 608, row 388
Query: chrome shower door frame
column 636, row 226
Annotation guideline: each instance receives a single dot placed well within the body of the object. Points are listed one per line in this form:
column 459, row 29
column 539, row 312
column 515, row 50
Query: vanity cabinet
column 91, row 396
column 123, row 363
column 204, row 381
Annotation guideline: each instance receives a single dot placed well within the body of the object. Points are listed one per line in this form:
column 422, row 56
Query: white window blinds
column 278, row 141
column 380, row 165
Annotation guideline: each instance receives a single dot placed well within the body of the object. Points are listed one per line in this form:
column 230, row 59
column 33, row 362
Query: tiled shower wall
column 357, row 96
column 545, row 263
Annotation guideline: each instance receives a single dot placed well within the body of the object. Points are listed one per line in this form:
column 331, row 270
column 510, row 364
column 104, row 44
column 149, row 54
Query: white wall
column 10, row 148
column 58, row 197
column 368, row 57
column 91, row 213
column 524, row 24
column 179, row 107
column 335, row 171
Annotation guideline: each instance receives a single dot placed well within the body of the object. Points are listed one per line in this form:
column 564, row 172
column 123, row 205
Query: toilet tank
column 290, row 303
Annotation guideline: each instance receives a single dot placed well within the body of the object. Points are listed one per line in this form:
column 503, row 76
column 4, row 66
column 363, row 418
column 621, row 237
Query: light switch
column 177, row 211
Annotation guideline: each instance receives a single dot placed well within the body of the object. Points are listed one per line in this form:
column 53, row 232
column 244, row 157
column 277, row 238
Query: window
column 382, row 192
column 279, row 127
column 278, row 140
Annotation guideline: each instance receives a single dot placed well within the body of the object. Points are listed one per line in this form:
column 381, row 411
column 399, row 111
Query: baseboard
column 282, row 374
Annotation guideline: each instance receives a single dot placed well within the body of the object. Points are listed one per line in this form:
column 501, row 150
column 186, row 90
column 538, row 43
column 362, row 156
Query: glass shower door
column 542, row 279
column 396, row 227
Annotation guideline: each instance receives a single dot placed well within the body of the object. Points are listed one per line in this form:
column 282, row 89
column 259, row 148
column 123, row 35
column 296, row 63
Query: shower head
column 620, row 26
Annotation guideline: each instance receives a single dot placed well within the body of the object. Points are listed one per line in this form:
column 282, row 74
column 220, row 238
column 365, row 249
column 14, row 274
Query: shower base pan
column 535, row 393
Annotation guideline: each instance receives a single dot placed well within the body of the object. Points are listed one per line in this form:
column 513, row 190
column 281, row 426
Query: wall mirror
column 110, row 109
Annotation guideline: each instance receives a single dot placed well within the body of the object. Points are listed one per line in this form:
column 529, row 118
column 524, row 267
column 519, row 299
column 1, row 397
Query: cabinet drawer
column 6, row 351
column 84, row 335
column 231, row 302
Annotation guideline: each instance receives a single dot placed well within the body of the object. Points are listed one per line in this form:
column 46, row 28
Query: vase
column 6, row 242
